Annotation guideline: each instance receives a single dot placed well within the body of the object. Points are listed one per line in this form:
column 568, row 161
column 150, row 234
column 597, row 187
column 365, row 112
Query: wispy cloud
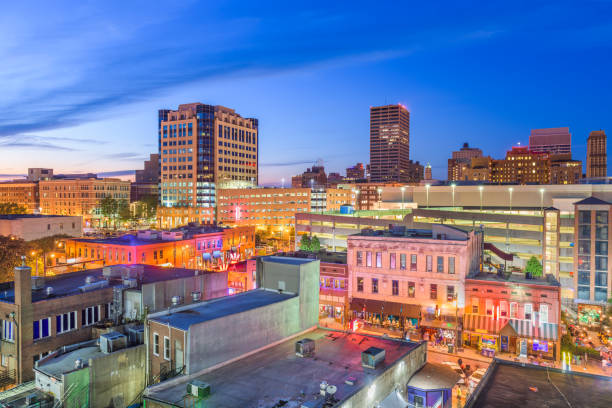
column 38, row 143
column 289, row 163
column 126, row 156
column 117, row 173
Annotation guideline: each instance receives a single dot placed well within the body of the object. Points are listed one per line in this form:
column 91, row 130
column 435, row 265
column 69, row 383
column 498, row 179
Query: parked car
column 476, row 377
column 457, row 369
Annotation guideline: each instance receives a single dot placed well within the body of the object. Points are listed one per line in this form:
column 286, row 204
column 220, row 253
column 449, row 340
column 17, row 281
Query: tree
column 123, row 210
column 12, row 208
column 11, row 251
column 150, row 203
column 315, row 245
column 534, row 267
column 108, row 207
column 305, row 244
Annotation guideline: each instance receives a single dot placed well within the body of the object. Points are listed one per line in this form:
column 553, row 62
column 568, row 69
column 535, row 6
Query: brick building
column 23, row 193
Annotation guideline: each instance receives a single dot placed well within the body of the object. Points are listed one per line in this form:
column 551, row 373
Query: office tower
column 460, row 161
column 427, row 175
column 389, row 144
column 202, row 148
column 551, row 141
column 357, row 172
column 597, row 158
column 146, row 184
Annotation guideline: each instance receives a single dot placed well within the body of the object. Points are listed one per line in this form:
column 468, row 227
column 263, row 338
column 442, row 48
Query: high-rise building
column 427, row 175
column 389, row 144
column 521, row 166
column 597, row 158
column 312, row 177
column 202, row 148
column 460, row 161
column 146, row 184
column 551, row 141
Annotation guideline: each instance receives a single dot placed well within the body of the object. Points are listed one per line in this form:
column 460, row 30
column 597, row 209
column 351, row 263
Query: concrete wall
column 118, row 378
column 34, row 228
column 396, row 375
column 219, row 340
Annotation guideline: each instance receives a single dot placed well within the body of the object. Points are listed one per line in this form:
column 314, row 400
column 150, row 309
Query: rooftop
column 437, row 232
column 549, row 280
column 135, row 240
column 434, row 377
column 287, row 260
column 183, row 317
column 276, row 373
column 69, row 283
column 508, row 386
column 30, row 216
column 64, row 362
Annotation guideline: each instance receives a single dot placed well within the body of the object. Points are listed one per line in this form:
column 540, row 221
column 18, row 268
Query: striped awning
column 483, row 324
column 535, row 330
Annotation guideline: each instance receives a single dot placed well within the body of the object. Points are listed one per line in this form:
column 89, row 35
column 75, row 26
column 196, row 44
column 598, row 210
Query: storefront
column 483, row 333
column 532, row 339
column 441, row 331
column 390, row 315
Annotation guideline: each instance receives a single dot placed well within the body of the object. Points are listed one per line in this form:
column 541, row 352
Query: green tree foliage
column 150, row 203
column 123, row 210
column 11, row 250
column 534, row 266
column 12, row 208
column 305, row 244
column 315, row 245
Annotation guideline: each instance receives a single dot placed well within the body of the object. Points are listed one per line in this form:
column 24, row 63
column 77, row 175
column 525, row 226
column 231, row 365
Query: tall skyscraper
column 597, row 158
column 460, row 161
column 389, row 144
column 202, row 148
column 551, row 141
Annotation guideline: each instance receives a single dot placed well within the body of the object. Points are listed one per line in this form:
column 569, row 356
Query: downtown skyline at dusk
column 84, row 82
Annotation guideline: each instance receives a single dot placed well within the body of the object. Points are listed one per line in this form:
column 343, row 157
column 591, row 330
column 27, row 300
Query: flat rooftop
column 549, row 280
column 32, row 216
column 288, row 260
column 276, row 373
column 63, row 363
column 134, row 240
column 183, row 317
column 508, row 386
column 68, row 284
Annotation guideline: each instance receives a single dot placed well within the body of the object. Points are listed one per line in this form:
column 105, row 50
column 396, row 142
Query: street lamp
column 542, row 200
column 453, row 193
column 427, row 193
column 510, row 189
column 403, row 189
column 480, row 188
column 379, row 190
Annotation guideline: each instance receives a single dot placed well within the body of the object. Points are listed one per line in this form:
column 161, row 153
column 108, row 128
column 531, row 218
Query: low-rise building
column 31, row 227
column 510, row 313
column 187, row 339
column 341, row 369
column 412, row 280
column 23, row 193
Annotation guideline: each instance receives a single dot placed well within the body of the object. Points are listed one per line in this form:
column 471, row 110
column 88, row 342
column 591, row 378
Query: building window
column 475, row 302
column 66, row 322
column 513, row 310
column 369, row 259
column 450, row 293
column 395, row 288
column 433, row 291
column 5, row 360
column 379, row 259
column 374, row 285
column 8, row 331
column 489, row 307
column 543, row 313
column 90, row 315
column 156, row 344
column 413, row 262
column 402, row 261
column 451, row 265
column 392, row 261
column 41, row 328
column 429, row 263
column 503, row 308
column 411, row 289
column 359, row 258
column 359, row 284
column 166, row 348
column 528, row 311
column 440, row 265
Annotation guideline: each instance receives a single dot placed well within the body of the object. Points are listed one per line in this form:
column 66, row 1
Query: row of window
column 166, row 346
column 402, row 261
column 512, row 310
column 433, row 289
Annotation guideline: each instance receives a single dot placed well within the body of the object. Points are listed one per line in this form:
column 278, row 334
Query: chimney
column 23, row 284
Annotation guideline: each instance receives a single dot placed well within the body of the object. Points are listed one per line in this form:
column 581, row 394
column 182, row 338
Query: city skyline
column 100, row 115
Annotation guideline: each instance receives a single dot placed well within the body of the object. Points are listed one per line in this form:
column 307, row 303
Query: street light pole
column 480, row 188
column 510, row 189
column 427, row 193
column 453, row 193
column 542, row 200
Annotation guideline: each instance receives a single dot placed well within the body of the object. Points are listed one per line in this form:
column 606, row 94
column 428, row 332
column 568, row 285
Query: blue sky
column 82, row 81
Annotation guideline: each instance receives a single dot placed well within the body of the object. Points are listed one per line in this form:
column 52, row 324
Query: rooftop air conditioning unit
column 304, row 348
column 112, row 341
column 38, row 282
column 135, row 335
column 198, row 389
column 372, row 357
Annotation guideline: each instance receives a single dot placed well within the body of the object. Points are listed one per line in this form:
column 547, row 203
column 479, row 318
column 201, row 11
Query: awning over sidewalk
column 483, row 324
column 543, row 331
column 388, row 308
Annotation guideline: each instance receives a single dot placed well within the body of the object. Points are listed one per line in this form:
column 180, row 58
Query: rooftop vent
column 49, row 291
column 78, row 363
column 176, row 300
column 304, row 348
column 196, row 296
column 372, row 357
column 90, row 279
column 112, row 341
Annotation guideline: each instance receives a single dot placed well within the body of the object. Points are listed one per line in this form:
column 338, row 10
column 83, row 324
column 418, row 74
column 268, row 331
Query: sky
column 81, row 82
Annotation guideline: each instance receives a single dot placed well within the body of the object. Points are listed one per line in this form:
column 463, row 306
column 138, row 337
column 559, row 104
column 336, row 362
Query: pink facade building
column 412, row 280
column 510, row 313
